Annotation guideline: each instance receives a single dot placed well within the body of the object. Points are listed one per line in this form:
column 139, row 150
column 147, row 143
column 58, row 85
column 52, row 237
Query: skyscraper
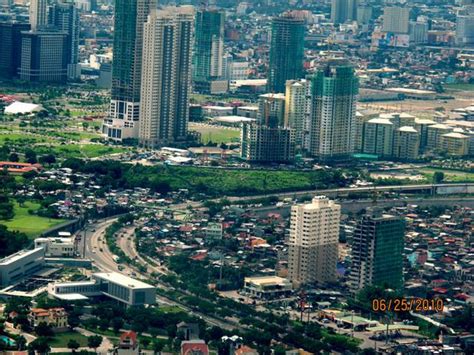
column 64, row 16
column 313, row 242
column 378, row 137
column 286, row 52
column 166, row 75
column 298, row 109
column 343, row 10
column 377, row 248
column 333, row 121
column 208, row 46
column 465, row 26
column 130, row 17
column 396, row 19
column 38, row 14
column 10, row 47
column 44, row 56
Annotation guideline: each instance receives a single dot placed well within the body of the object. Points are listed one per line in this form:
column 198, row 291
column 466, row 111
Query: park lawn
column 60, row 340
column 216, row 134
column 459, row 87
column 449, row 175
column 81, row 150
column 29, row 224
column 7, row 136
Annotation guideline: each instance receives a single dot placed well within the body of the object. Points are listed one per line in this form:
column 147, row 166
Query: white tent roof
column 21, row 107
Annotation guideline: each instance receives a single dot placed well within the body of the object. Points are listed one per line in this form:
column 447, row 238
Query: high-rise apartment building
column 333, row 122
column 298, row 109
column 44, row 56
column 208, row 47
column 38, row 14
column 465, row 26
column 378, row 137
column 396, row 19
column 64, row 16
column 377, row 251
column 406, row 143
column 10, row 47
column 286, row 52
column 124, row 113
column 343, row 10
column 166, row 76
column 271, row 110
column 313, row 241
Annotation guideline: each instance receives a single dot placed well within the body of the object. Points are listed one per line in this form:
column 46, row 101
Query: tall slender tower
column 333, row 121
column 343, row 10
column 313, row 243
column 38, row 14
column 166, row 74
column 286, row 52
column 377, row 251
column 130, row 17
column 208, row 45
column 64, row 16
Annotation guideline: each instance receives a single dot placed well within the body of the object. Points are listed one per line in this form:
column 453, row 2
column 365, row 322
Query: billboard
column 390, row 39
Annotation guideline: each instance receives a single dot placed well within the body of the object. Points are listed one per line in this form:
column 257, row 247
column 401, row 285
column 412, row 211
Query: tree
column 85, row 125
column 30, row 156
column 117, row 324
column 14, row 158
column 94, row 342
column 21, row 342
column 40, row 345
column 438, row 177
column 157, row 346
column 47, row 159
column 44, row 330
column 73, row 345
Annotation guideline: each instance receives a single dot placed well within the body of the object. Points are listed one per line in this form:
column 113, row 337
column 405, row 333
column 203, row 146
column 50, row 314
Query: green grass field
column 449, row 175
column 459, row 87
column 60, row 340
column 29, row 224
column 80, row 150
column 216, row 134
column 6, row 136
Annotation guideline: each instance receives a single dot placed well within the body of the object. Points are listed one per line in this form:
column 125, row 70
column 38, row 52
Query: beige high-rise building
column 406, row 143
column 313, row 243
column 396, row 19
column 298, row 109
column 434, row 136
column 166, row 76
column 38, row 14
column 378, row 137
column 455, row 144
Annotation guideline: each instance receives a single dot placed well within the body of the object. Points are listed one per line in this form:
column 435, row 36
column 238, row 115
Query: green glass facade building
column 377, row 252
column 333, row 124
column 286, row 52
column 208, row 45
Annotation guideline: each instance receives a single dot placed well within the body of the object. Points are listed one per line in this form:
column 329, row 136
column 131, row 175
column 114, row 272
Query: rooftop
column 18, row 256
column 121, row 279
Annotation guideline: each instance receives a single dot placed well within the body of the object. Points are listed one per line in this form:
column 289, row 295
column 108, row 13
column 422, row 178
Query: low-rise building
column 57, row 246
column 128, row 344
column 267, row 287
column 23, row 263
column 120, row 287
column 56, row 318
column 194, row 347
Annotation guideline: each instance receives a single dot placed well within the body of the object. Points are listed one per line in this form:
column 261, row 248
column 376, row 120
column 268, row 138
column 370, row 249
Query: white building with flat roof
column 120, row 287
column 57, row 246
column 23, row 263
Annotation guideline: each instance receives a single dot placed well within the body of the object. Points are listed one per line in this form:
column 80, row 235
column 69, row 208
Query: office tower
column 313, row 241
column 378, row 137
column 396, row 19
column 124, row 113
column 208, row 48
column 286, row 52
column 38, row 14
column 343, row 10
column 166, row 75
column 10, row 47
column 364, row 14
column 333, row 121
column 44, row 56
column 406, row 143
column 298, row 109
column 265, row 144
column 64, row 16
column 377, row 251
column 465, row 27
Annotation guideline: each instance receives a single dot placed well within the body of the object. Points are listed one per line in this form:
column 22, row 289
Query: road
column 98, row 251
